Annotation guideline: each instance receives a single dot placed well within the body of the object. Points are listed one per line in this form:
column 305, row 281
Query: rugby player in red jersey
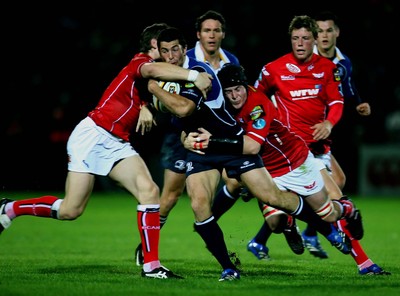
column 99, row 145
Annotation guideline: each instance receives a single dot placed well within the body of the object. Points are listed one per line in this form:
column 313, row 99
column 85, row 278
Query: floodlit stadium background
column 58, row 58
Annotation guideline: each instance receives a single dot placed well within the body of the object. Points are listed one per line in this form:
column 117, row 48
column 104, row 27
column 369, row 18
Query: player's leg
column 201, row 187
column 132, row 174
column 337, row 173
column 261, row 185
column 78, row 189
column 174, row 185
column 226, row 196
column 173, row 156
column 364, row 264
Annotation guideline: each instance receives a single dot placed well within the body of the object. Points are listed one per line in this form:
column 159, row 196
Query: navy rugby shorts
column 173, row 154
column 234, row 164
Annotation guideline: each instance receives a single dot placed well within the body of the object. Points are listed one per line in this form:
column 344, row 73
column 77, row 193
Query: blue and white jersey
column 225, row 56
column 345, row 67
column 211, row 112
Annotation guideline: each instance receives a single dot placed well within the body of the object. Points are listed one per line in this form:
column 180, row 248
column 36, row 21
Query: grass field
column 94, row 255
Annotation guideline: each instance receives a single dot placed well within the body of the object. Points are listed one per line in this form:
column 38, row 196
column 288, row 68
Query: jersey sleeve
column 264, row 81
column 334, row 95
column 258, row 115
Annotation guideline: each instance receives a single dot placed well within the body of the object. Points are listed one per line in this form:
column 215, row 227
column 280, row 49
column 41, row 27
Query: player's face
column 237, row 95
column 327, row 34
column 211, row 35
column 172, row 52
column 302, row 44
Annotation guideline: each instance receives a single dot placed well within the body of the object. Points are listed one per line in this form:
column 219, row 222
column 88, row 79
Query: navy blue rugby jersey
column 211, row 113
column 345, row 68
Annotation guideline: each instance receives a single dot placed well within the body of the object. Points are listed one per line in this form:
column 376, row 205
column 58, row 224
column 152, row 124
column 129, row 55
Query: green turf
column 94, row 255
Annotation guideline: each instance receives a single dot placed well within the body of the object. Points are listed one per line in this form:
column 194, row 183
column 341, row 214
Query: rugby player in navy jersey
column 203, row 173
column 210, row 28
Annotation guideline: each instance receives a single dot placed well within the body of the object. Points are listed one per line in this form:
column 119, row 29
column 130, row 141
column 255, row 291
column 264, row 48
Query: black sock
column 310, row 230
column 305, row 213
column 223, row 201
column 213, row 236
column 263, row 234
column 163, row 220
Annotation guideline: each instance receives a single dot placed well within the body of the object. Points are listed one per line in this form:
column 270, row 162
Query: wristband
column 193, row 75
column 232, row 145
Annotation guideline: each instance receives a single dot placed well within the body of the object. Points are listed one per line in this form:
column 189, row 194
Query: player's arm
column 146, row 120
column 175, row 103
column 168, row 72
column 203, row 140
column 323, row 130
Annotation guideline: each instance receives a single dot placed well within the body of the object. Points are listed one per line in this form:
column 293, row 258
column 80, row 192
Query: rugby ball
column 172, row 87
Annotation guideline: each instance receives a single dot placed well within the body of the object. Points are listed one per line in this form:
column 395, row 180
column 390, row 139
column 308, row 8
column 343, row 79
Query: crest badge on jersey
column 336, row 74
column 259, row 123
column 256, row 115
column 292, row 68
column 257, row 112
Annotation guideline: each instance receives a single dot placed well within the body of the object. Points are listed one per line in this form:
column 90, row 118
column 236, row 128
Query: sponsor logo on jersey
column 287, row 77
column 302, row 94
column 319, row 75
column 247, row 164
column 311, row 186
column 293, row 68
column 259, row 123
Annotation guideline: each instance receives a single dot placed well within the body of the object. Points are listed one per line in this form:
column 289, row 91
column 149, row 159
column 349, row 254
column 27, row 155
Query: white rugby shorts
column 304, row 180
column 326, row 161
column 91, row 149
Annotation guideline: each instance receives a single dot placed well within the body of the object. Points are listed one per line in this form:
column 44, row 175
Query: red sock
column 40, row 206
column 148, row 218
column 348, row 207
column 357, row 251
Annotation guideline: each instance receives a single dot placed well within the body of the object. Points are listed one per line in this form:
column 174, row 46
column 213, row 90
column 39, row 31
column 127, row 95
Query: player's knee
column 277, row 223
column 69, row 214
column 328, row 212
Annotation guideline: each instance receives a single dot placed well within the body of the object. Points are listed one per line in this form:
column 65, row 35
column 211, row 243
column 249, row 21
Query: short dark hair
column 304, row 21
column 169, row 34
column 213, row 15
column 149, row 33
column 327, row 16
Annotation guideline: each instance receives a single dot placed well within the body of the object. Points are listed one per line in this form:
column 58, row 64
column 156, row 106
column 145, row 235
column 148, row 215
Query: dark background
column 58, row 59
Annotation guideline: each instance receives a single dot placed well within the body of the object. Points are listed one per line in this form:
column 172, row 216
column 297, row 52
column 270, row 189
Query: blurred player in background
column 211, row 30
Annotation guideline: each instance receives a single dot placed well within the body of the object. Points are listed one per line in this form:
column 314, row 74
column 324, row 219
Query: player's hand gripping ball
column 172, row 87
